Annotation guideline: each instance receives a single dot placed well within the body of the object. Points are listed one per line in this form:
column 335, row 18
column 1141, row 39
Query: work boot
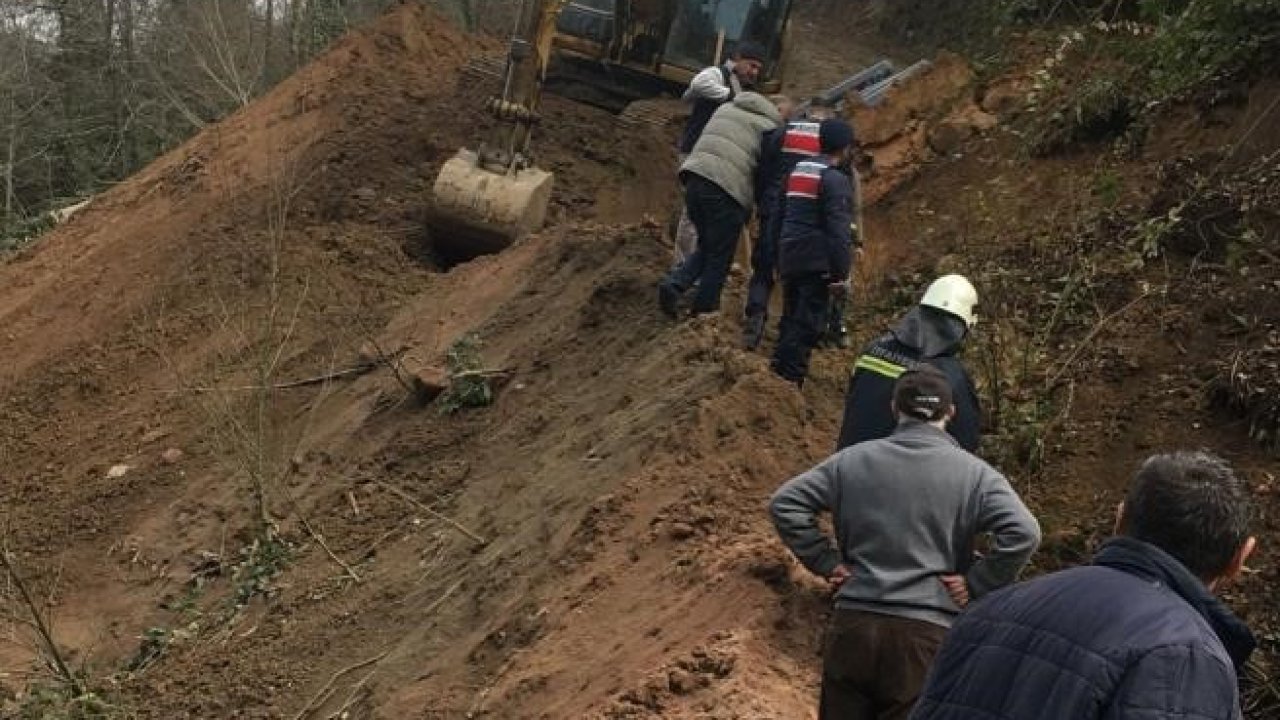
column 753, row 330
column 838, row 338
column 835, row 335
column 777, row 370
column 669, row 299
column 833, row 338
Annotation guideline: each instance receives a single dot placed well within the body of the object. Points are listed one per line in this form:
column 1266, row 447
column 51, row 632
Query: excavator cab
column 613, row 52
column 608, row 53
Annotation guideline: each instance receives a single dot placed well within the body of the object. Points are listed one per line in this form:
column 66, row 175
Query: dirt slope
column 617, row 481
column 592, row 545
column 292, row 228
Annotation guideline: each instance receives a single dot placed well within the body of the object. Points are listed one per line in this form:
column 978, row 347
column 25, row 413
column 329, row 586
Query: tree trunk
column 126, row 63
column 108, row 26
column 268, row 36
column 297, row 9
column 8, row 174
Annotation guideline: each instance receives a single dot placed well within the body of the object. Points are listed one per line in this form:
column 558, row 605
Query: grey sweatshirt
column 906, row 510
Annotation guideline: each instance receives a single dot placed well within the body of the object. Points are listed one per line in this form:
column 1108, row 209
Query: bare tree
column 90, row 90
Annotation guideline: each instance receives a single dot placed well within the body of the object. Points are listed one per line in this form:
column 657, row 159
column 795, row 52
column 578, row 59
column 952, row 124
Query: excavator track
column 483, row 70
column 655, row 112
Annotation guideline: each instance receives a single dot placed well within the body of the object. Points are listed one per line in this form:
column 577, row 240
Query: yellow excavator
column 605, row 52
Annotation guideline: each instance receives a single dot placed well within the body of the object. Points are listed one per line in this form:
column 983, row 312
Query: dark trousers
column 764, row 265
column 804, row 315
column 874, row 666
column 718, row 219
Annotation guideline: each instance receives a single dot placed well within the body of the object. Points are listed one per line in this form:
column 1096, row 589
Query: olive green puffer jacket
column 729, row 149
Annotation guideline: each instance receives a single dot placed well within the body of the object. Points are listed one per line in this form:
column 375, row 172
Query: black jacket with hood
column 924, row 335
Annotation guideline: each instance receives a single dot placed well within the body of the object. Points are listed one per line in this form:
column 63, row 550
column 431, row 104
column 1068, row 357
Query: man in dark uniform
column 814, row 255
column 780, row 152
column 931, row 332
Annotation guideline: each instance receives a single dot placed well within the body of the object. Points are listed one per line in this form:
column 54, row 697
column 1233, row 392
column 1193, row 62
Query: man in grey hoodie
column 720, row 188
column 906, row 511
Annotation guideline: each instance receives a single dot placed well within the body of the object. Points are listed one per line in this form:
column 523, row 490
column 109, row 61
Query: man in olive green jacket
column 720, row 188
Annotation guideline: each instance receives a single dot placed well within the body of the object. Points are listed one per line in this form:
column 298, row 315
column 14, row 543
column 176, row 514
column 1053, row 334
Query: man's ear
column 1236, row 566
column 1119, row 526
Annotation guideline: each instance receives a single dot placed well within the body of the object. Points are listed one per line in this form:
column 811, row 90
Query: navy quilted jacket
column 1133, row 636
column 817, row 222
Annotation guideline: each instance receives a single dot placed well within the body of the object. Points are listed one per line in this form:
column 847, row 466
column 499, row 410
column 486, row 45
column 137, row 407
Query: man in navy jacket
column 1137, row 635
column 780, row 152
column 814, row 255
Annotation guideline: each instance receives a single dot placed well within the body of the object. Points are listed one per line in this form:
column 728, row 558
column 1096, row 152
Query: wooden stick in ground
column 326, row 691
column 439, row 516
column 391, row 361
column 38, row 621
column 482, row 373
column 360, row 369
column 353, row 697
column 315, row 380
column 332, row 556
column 440, row 600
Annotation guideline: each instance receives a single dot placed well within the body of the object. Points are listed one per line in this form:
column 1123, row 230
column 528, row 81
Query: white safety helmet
column 953, row 294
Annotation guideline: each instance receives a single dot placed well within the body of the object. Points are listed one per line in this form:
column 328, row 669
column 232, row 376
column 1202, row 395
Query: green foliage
column 1107, row 187
column 974, row 28
column 21, row 231
column 1150, row 235
column 1201, row 40
column 261, row 562
column 468, row 386
column 55, row 701
column 155, row 641
column 1108, row 75
column 1100, row 109
column 187, row 602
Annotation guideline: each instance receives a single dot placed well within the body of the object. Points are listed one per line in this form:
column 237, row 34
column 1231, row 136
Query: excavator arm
column 484, row 200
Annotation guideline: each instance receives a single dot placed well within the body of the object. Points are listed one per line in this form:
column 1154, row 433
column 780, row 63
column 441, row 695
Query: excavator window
column 698, row 26
column 591, row 19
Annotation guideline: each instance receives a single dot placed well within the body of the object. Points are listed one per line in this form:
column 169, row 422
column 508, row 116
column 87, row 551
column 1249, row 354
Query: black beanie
column 748, row 50
column 835, row 135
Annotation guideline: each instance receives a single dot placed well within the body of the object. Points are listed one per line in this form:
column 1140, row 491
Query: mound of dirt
column 221, row 473
column 269, row 248
column 616, row 484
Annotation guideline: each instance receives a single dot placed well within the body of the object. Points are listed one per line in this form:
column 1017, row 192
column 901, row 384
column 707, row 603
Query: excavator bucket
column 475, row 211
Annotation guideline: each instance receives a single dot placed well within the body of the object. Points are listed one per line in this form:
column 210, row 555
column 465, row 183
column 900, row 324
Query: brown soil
column 618, row 481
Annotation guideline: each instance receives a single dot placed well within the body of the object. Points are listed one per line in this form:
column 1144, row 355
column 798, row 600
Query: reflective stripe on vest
column 879, row 367
column 806, row 180
column 802, row 139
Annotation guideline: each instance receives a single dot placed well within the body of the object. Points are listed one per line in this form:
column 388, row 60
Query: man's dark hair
column 1192, row 506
